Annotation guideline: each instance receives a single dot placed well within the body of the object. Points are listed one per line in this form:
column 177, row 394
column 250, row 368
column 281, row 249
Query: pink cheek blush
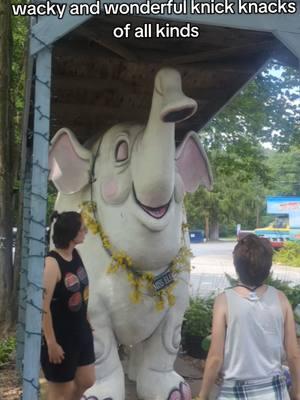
column 109, row 189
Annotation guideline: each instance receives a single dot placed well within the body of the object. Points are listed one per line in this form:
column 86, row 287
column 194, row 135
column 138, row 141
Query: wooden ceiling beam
column 92, row 84
column 211, row 35
column 112, row 45
column 94, row 112
column 218, row 60
column 61, row 84
column 72, row 114
column 211, row 109
column 101, row 55
column 267, row 45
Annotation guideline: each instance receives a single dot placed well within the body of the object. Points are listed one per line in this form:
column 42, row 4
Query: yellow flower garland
column 121, row 261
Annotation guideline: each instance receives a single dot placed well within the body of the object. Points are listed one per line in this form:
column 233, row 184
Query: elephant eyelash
column 122, row 151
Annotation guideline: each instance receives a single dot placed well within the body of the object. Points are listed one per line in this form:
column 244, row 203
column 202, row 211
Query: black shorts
column 79, row 351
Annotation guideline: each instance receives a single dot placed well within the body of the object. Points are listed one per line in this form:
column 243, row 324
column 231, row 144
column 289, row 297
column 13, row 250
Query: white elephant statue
column 132, row 181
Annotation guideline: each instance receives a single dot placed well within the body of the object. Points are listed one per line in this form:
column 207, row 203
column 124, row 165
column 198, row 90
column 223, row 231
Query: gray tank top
column 254, row 338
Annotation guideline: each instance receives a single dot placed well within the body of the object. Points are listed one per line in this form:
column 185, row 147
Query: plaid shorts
column 262, row 389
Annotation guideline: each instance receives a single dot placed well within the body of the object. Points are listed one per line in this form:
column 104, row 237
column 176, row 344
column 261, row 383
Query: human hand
column 55, row 353
column 200, row 397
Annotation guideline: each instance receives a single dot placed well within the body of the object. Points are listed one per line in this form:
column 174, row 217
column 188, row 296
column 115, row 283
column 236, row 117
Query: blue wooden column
column 37, row 226
column 24, row 267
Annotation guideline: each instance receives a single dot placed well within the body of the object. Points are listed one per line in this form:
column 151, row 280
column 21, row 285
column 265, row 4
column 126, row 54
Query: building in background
column 286, row 225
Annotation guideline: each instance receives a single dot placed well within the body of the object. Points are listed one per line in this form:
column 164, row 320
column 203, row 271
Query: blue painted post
column 37, row 227
column 24, row 268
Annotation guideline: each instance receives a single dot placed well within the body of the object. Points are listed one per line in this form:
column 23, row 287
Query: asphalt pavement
column 213, row 259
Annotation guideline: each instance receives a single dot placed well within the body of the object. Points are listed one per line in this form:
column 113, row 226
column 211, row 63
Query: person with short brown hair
column 252, row 258
column 67, row 351
column 253, row 329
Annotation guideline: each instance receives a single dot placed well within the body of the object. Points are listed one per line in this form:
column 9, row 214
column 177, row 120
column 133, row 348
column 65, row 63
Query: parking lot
column 213, row 259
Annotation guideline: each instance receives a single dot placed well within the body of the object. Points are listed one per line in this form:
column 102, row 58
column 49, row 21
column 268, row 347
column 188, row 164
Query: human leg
column 85, row 370
column 60, row 391
column 84, row 379
column 109, row 372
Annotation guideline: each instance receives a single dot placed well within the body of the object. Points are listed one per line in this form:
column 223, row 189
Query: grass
column 288, row 255
column 7, row 346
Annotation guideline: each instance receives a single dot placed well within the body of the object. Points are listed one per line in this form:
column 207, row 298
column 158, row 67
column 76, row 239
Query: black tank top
column 70, row 297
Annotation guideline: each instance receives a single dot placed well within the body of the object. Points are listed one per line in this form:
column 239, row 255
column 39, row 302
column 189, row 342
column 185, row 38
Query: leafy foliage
column 14, row 34
column 198, row 317
column 285, row 169
column 205, row 344
column 291, row 292
column 7, row 346
column 52, row 194
column 267, row 110
column 240, row 176
column 17, row 92
column 289, row 254
column 232, row 281
column 19, row 31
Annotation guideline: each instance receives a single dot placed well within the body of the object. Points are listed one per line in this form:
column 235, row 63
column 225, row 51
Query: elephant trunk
column 154, row 155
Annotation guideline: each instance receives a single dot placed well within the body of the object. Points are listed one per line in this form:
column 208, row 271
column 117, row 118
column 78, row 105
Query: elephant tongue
column 156, row 212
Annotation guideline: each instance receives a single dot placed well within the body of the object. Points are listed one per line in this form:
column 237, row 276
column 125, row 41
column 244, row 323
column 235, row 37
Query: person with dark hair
column 253, row 331
column 67, row 353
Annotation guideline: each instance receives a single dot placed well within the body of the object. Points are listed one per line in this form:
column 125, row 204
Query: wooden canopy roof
column 98, row 81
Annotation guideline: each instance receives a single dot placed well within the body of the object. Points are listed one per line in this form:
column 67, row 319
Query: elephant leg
column 135, row 360
column 156, row 378
column 109, row 383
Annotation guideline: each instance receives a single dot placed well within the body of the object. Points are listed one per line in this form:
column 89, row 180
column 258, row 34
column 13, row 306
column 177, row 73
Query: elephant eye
column 121, row 152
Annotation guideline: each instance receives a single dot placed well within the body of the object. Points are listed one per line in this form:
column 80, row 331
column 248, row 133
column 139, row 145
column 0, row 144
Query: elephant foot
column 110, row 387
column 162, row 386
column 84, row 397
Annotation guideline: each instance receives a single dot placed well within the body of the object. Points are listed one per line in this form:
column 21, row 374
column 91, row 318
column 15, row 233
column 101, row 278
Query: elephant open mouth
column 155, row 212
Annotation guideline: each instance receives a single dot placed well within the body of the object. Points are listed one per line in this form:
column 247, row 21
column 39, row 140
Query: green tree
column 285, row 168
column 266, row 111
column 13, row 34
column 6, row 279
column 18, row 71
column 240, row 174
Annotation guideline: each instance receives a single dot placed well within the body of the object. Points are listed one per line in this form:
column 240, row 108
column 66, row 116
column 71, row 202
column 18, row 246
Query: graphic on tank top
column 73, row 289
column 82, row 275
column 75, row 302
column 72, row 282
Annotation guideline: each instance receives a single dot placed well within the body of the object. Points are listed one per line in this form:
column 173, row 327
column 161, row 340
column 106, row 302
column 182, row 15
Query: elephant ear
column 192, row 164
column 69, row 162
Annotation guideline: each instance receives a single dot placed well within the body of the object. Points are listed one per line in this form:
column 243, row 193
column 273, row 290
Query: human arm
column 291, row 346
column 215, row 356
column 51, row 277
